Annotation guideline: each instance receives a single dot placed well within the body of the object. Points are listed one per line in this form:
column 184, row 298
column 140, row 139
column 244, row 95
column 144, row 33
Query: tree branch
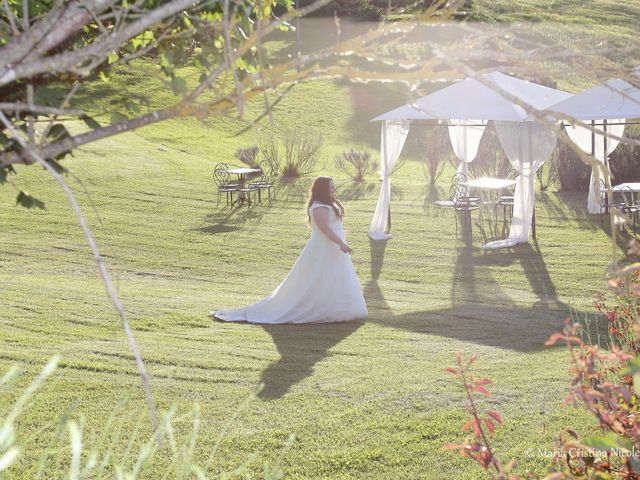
column 75, row 60
column 18, row 108
column 68, row 144
column 104, row 273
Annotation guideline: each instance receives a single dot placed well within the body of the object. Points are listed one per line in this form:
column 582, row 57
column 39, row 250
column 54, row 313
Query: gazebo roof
column 614, row 99
column 470, row 99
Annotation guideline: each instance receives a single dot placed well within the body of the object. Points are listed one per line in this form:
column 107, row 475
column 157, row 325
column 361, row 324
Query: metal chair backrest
column 458, row 178
column 603, row 192
column 221, row 174
column 628, row 196
column 459, row 195
column 268, row 171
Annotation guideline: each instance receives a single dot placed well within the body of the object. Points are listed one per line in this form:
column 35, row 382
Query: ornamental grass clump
column 355, row 163
column 248, row 156
column 117, row 450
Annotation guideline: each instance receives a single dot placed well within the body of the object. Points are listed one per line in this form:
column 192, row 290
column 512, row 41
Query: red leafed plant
column 605, row 383
column 478, row 448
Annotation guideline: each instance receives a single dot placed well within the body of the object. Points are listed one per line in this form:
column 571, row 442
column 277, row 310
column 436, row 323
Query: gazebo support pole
column 388, row 229
column 533, row 223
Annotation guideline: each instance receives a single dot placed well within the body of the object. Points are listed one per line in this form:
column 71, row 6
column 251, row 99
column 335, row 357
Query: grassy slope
column 366, row 400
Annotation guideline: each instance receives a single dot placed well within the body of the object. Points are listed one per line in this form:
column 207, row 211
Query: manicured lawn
column 366, row 399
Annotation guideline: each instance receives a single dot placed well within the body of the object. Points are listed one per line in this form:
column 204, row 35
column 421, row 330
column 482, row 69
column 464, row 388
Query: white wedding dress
column 321, row 287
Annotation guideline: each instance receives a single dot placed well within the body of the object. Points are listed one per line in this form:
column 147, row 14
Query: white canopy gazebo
column 467, row 105
column 605, row 108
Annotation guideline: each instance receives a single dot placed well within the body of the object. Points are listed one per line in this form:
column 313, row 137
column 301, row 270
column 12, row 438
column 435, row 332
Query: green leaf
column 608, row 443
column 103, row 76
column 117, row 117
column 166, row 60
column 5, row 172
column 179, row 86
column 58, row 132
column 90, row 122
column 633, row 369
column 27, row 201
column 113, row 57
column 143, row 39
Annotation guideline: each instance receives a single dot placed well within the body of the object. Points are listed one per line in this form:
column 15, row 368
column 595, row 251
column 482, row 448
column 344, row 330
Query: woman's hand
column 346, row 248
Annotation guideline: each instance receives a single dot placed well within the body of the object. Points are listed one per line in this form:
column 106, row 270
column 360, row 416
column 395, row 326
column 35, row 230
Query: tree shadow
column 300, row 348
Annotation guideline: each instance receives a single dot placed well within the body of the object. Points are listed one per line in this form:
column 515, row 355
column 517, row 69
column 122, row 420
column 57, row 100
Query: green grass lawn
column 365, row 399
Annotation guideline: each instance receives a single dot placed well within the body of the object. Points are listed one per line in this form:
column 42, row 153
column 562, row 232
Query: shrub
column 573, row 173
column 355, row 163
column 296, row 153
column 625, row 160
column 248, row 155
column 605, row 383
column 491, row 161
column 436, row 151
column 270, row 150
column 548, row 174
column 301, row 152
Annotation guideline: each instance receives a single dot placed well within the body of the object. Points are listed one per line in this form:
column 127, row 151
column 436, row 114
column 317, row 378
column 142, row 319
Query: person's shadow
column 300, row 348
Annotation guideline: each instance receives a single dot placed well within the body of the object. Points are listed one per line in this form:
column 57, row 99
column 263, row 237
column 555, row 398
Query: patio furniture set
column 491, row 194
column 247, row 182
column 625, row 198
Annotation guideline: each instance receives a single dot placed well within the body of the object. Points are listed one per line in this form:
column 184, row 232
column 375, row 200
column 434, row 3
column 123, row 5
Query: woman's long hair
column 320, row 192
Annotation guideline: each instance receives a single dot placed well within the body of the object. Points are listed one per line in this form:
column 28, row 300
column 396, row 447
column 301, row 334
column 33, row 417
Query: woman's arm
column 321, row 217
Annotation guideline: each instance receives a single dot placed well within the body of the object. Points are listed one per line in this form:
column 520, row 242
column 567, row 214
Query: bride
column 322, row 286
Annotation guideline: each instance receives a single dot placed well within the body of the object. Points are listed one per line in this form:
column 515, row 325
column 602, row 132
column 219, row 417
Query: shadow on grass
column 481, row 311
column 300, row 348
column 433, row 193
column 227, row 218
column 294, row 189
column 357, row 190
column 573, row 206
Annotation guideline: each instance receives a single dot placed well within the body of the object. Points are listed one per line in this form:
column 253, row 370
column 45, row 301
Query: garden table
column 242, row 181
column 489, row 186
column 633, row 186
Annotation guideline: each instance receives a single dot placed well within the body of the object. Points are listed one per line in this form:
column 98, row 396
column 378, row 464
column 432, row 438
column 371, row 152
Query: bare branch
column 68, row 144
column 76, row 60
column 104, row 273
column 64, row 104
column 11, row 17
column 18, row 108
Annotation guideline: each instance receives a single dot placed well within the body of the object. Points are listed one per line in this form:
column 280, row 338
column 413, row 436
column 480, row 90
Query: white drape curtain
column 527, row 146
column 465, row 136
column 393, row 136
column 594, row 144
